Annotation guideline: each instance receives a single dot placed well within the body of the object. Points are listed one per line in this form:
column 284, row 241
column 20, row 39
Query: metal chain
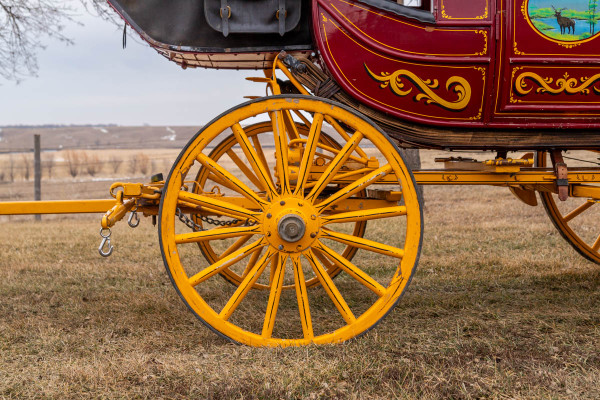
column 197, row 228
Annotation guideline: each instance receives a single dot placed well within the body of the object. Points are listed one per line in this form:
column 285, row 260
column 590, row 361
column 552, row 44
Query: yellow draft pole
column 56, row 207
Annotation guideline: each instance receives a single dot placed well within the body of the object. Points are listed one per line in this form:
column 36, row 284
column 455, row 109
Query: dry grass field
column 501, row 307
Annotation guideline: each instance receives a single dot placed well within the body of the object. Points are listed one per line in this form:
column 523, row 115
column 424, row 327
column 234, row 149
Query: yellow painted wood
column 335, row 165
column 254, row 160
column 396, row 277
column 56, row 207
column 364, row 215
column 246, row 285
column 238, row 185
column 274, row 296
column 309, row 152
column 225, row 262
column 334, row 294
column 302, row 298
column 352, row 269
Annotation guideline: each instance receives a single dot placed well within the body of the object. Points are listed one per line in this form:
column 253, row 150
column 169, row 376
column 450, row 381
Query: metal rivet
column 299, row 248
column 280, row 247
column 313, row 217
column 313, row 235
column 282, row 203
column 268, row 234
column 269, row 215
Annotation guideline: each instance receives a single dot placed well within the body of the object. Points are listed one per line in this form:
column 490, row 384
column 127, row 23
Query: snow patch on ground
column 101, row 130
column 170, row 137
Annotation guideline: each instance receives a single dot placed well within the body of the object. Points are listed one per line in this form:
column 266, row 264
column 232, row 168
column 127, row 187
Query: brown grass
column 500, row 307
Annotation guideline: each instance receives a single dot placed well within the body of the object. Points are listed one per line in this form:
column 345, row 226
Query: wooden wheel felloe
column 577, row 218
column 290, row 222
column 228, row 149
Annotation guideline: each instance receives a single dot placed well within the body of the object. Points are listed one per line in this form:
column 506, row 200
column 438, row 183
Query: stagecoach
column 277, row 198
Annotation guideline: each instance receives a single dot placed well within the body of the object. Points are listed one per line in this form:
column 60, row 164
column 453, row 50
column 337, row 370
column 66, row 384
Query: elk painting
column 566, row 20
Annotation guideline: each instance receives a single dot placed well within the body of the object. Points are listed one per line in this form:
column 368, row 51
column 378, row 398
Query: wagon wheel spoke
column 579, row 210
column 335, row 166
column 257, row 163
column 261, row 157
column 302, row 297
column 290, row 126
column 276, row 287
column 281, row 151
column 246, row 284
column 336, row 151
column 332, row 291
column 236, row 245
column 342, row 132
column 355, row 187
column 245, row 170
column 364, row 215
column 226, row 262
column 219, row 206
column 222, row 173
column 216, row 234
column 351, row 269
column 252, row 262
column 222, row 182
column 274, row 263
column 309, row 152
column 363, row 243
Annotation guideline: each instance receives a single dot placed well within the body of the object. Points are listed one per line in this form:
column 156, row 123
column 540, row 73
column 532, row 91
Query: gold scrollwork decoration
column 396, row 82
column 562, row 85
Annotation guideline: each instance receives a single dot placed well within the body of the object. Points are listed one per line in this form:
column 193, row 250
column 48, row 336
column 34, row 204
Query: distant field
column 88, row 137
column 500, row 307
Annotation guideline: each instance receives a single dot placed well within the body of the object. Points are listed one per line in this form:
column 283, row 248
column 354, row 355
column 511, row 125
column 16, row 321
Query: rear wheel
column 289, row 224
column 576, row 218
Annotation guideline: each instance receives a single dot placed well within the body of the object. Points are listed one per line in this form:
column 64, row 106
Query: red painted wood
column 360, row 45
column 465, row 11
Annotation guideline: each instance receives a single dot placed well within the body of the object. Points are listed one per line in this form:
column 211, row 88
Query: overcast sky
column 95, row 81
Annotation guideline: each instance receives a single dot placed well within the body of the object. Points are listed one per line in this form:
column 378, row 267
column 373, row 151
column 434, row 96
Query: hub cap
column 291, row 228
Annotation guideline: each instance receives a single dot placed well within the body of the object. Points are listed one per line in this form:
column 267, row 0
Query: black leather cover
column 181, row 25
column 252, row 16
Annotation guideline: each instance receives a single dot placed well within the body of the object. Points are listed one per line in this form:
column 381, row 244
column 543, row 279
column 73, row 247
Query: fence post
column 37, row 167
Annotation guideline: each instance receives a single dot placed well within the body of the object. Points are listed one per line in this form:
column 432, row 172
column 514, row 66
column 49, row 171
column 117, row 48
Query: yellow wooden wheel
column 295, row 221
column 577, row 218
column 227, row 152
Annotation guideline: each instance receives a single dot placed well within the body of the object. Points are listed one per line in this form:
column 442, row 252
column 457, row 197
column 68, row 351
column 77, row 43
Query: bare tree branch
column 23, row 25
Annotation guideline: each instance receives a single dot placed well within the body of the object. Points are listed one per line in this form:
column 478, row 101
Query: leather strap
column 225, row 12
column 281, row 15
column 562, row 177
column 327, row 88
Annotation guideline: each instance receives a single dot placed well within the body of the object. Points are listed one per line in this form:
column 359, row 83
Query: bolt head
column 268, row 234
column 313, row 217
column 280, row 247
column 313, row 235
column 282, row 203
column 269, row 215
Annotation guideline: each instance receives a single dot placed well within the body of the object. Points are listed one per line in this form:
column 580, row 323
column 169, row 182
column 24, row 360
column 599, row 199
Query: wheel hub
column 291, row 228
column 290, row 224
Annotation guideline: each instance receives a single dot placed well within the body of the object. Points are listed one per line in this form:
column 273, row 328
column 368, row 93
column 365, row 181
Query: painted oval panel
column 564, row 20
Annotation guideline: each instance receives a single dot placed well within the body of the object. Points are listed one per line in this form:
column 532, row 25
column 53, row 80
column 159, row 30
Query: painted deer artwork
column 566, row 24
